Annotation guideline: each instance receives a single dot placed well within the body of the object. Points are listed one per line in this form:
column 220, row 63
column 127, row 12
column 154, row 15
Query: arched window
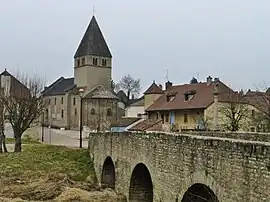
column 55, row 100
column 93, row 111
column 62, row 113
column 74, row 101
column 75, row 111
column 109, row 112
column 62, row 100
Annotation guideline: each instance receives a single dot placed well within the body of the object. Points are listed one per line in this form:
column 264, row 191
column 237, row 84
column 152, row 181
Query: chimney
column 209, row 80
column 168, row 84
column 160, row 86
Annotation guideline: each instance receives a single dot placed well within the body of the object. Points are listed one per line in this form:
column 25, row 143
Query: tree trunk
column 1, row 142
column 18, row 143
column 4, row 143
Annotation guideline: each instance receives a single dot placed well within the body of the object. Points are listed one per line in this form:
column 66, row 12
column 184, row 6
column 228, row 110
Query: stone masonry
column 235, row 170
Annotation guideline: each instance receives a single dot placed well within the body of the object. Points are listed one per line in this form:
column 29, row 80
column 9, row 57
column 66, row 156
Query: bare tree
column 129, row 85
column 235, row 111
column 3, row 147
column 23, row 104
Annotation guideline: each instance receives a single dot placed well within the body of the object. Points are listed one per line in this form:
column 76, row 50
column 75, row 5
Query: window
column 185, row 118
column 49, row 101
column 78, row 62
column 252, row 113
column 62, row 113
column 46, row 114
column 104, row 61
column 186, row 97
column 95, row 61
column 109, row 112
column 93, row 111
column 162, row 118
column 74, row 101
column 62, row 100
column 157, row 116
column 75, row 111
column 167, row 118
column 83, row 61
column 55, row 100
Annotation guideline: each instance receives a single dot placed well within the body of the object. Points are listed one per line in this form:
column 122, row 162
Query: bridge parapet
column 234, row 169
column 260, row 137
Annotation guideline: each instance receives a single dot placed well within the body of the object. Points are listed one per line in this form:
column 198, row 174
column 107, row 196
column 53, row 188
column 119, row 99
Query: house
column 135, row 109
column 192, row 106
column 11, row 86
column 90, row 87
column 259, row 103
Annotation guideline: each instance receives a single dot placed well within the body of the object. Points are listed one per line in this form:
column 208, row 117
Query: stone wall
column 235, row 171
column 261, row 137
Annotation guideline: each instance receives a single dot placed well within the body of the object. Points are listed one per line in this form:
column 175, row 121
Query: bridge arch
column 200, row 193
column 108, row 174
column 141, row 186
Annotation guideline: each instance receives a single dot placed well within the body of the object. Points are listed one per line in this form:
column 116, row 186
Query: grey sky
column 226, row 39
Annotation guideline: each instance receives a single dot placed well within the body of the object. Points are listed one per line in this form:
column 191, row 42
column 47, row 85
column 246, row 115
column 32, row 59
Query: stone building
column 92, row 75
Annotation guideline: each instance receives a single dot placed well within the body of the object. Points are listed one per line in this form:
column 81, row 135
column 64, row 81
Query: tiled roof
column 59, row 87
column 93, row 42
column 126, row 121
column 154, row 89
column 260, row 100
column 203, row 96
column 144, row 125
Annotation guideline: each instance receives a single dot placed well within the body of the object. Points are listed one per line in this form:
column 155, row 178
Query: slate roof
column 59, row 87
column 138, row 103
column 154, row 89
column 202, row 98
column 93, row 42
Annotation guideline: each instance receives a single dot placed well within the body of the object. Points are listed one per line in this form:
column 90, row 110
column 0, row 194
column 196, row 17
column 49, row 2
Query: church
column 90, row 89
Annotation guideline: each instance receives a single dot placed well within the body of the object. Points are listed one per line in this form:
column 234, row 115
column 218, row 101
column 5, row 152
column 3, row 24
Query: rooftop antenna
column 94, row 10
column 167, row 74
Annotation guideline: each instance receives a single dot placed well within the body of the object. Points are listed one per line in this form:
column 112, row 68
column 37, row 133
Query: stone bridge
column 165, row 167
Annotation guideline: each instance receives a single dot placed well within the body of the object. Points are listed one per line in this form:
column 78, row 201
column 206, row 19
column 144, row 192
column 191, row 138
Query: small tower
column 93, row 59
column 152, row 94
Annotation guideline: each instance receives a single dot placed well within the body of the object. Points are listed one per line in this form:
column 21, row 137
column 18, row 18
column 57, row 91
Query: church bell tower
column 93, row 59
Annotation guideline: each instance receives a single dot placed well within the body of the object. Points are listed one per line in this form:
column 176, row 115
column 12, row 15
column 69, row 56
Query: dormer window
column 189, row 95
column 83, row 61
column 104, row 61
column 78, row 62
column 95, row 61
column 170, row 97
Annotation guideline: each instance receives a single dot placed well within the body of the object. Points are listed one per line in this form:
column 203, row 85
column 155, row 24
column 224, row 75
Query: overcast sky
column 229, row 39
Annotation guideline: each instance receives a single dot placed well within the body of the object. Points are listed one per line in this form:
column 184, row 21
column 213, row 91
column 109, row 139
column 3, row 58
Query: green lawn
column 40, row 172
column 24, row 141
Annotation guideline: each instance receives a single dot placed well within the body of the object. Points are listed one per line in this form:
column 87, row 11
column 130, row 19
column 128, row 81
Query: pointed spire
column 93, row 42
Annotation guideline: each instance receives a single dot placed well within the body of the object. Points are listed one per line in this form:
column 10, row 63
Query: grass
column 40, row 172
column 10, row 140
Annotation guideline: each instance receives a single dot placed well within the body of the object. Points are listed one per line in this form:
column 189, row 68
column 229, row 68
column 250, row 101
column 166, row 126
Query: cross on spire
column 94, row 10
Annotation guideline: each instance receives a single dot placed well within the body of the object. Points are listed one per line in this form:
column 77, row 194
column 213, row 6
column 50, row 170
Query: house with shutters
column 92, row 76
column 192, row 106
